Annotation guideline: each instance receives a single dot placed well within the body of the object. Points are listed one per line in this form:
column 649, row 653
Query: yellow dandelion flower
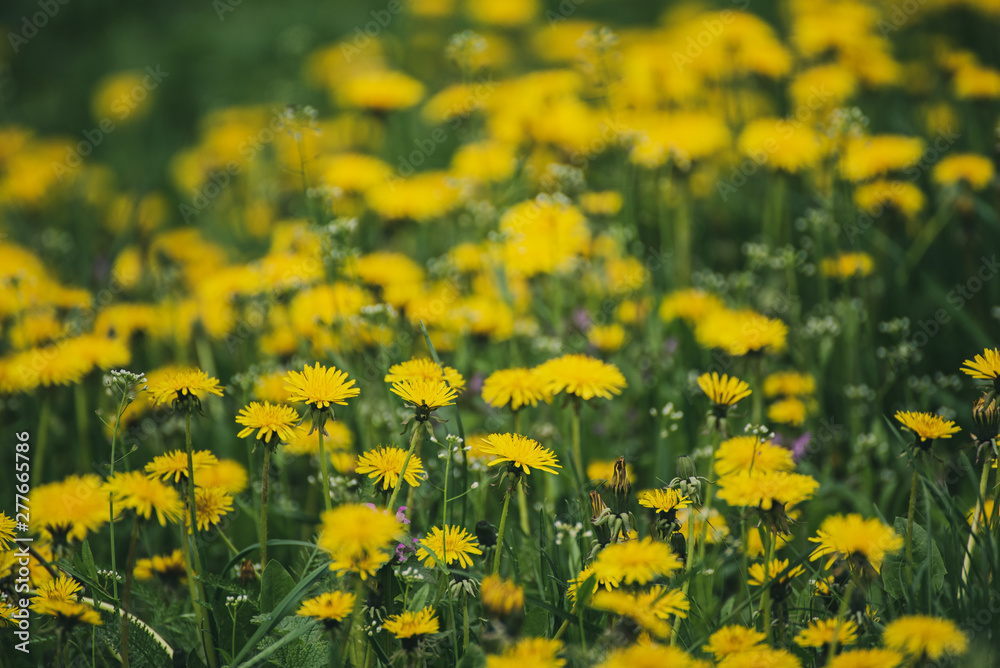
column 820, row 633
column 600, row 582
column 7, row 527
column 663, row 500
column 790, row 410
column 501, row 597
column 331, row 608
column 848, row 265
column 211, row 505
column 62, row 588
column 723, row 390
column 904, row 196
column 749, row 453
column 543, row 236
column 358, row 538
column 976, row 170
column 867, row 157
column 426, row 394
column 733, row 640
column 174, row 465
column 739, row 332
column 764, row 489
column 651, row 609
column 781, row 144
column 385, row 464
column 146, row 496
column 67, row 613
column 452, row 544
column 225, row 473
column 854, row 539
column 517, row 387
column 927, row 426
column 636, row 561
column 582, row 376
column 425, row 368
column 68, row 510
column 692, row 305
column 985, row 366
column 168, row 568
column 924, row 636
column 380, row 91
column 760, row 657
column 867, row 658
column 421, row 198
column 607, row 338
column 650, row 656
column 778, row 570
column 534, row 652
column 789, row 384
column 521, row 452
column 179, row 384
column 268, row 419
column 604, row 203
column 715, row 532
column 412, row 624
column 320, row 387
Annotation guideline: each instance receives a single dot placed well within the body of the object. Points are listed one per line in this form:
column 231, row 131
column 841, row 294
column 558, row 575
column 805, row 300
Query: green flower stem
column 465, row 624
column 44, row 420
column 415, row 440
column 522, row 495
column 577, row 453
column 841, row 615
column 83, row 442
column 682, row 236
column 196, row 568
column 500, row 533
column 689, row 545
column 348, row 637
column 766, row 595
column 111, row 499
column 322, row 471
column 263, row 506
column 127, row 593
column 909, row 519
column 976, row 517
column 708, row 497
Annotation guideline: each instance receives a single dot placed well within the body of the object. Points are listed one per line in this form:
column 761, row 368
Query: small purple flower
column 801, row 445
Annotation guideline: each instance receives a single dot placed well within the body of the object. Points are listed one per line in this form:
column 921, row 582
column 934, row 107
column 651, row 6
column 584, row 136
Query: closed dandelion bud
column 686, row 468
column 486, row 534
column 621, row 487
column 599, row 518
column 986, row 414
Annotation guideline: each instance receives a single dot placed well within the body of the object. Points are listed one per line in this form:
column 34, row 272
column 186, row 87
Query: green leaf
column 419, row 600
column 282, row 609
column 474, row 658
column 536, row 623
column 89, row 567
column 894, row 576
column 275, row 583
